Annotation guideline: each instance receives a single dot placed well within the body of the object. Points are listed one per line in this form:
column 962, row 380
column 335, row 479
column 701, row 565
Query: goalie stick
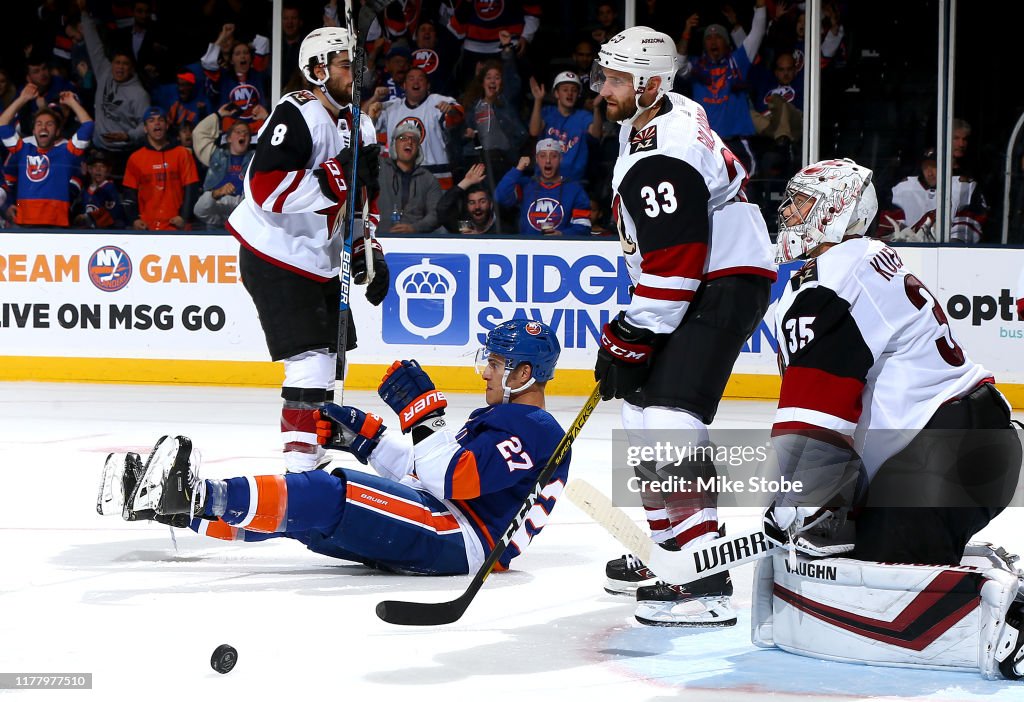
column 437, row 613
column 676, row 567
column 357, row 58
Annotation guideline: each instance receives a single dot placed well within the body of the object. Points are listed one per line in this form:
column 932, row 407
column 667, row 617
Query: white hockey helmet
column 825, row 202
column 643, row 53
column 316, row 50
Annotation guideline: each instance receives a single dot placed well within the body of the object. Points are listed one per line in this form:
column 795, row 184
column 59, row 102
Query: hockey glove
column 410, row 392
column 377, row 290
column 348, row 429
column 331, row 176
column 624, row 359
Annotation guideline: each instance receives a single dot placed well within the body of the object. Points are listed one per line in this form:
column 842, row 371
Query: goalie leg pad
column 934, row 617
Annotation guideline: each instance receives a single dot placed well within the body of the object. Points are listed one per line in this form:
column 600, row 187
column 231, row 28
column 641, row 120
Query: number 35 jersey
column 681, row 214
column 865, row 347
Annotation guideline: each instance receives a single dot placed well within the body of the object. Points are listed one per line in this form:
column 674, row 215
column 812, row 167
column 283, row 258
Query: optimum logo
column 431, row 300
column 109, row 268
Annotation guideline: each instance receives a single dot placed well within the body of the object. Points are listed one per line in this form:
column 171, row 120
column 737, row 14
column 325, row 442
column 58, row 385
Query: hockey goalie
column 887, row 421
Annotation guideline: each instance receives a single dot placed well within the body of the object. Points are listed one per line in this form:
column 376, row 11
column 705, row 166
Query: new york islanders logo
column 533, row 328
column 110, row 269
column 246, row 96
column 545, row 213
column 427, row 59
column 644, row 140
column 489, row 9
column 37, row 167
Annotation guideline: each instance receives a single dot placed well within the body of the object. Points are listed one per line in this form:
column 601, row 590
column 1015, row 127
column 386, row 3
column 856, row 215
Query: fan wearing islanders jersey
column 441, row 499
column 549, row 203
column 39, row 171
column 877, row 388
column 290, row 228
column 701, row 263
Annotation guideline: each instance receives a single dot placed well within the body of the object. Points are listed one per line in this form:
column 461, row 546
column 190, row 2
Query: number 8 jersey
column 865, row 347
column 681, row 214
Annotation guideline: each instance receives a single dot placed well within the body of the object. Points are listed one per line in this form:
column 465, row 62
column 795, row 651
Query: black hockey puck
column 224, row 658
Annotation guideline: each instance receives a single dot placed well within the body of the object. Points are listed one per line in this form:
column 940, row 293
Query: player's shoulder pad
column 843, row 267
column 512, row 418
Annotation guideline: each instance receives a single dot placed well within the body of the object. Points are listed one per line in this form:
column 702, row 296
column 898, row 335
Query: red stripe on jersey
column 490, row 33
column 279, row 202
column 577, row 214
column 682, row 260
column 814, row 389
column 263, row 183
column 664, row 293
column 744, row 270
column 812, row 431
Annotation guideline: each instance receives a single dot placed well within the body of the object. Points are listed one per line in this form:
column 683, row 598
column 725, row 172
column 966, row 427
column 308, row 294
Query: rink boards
column 153, row 308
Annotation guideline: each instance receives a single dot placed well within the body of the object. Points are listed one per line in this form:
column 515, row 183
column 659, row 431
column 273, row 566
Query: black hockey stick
column 357, row 58
column 437, row 613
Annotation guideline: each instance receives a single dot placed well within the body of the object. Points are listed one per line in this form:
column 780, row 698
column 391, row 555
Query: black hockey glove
column 378, row 288
column 624, row 359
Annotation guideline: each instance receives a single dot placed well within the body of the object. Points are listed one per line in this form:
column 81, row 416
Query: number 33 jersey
column 865, row 347
column 681, row 214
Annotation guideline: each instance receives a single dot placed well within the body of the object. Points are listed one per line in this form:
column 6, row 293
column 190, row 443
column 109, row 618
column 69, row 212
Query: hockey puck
column 224, row 658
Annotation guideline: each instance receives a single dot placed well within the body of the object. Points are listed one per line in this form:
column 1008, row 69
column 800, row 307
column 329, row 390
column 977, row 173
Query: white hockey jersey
column 866, row 347
column 284, row 216
column 914, row 208
column 682, row 215
column 431, row 124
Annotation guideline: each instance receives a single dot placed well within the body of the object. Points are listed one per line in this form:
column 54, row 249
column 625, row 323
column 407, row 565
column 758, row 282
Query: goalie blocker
column 965, row 617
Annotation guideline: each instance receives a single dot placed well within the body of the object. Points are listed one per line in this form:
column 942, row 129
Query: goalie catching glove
column 409, row 391
column 624, row 359
column 348, row 429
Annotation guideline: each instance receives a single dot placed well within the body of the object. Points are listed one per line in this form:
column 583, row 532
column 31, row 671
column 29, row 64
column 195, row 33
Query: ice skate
column 121, row 473
column 168, row 483
column 625, row 574
column 702, row 603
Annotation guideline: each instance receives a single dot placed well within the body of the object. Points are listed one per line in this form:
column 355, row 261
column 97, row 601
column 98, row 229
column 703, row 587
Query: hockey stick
column 357, row 57
column 437, row 613
column 676, row 567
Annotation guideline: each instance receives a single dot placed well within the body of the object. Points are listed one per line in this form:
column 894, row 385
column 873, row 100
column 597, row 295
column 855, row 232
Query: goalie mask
column 521, row 341
column 825, row 202
column 643, row 53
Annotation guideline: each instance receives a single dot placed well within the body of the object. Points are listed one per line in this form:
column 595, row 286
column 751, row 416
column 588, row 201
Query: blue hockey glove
column 348, row 429
column 409, row 391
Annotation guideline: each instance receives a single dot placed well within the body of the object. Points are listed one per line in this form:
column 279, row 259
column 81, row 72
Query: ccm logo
column 628, row 355
column 429, row 400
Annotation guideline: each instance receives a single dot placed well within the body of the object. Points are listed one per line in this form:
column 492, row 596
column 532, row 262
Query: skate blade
column 698, row 612
column 617, row 587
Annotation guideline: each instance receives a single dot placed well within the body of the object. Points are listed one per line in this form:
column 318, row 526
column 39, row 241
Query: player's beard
column 621, row 110
column 341, row 94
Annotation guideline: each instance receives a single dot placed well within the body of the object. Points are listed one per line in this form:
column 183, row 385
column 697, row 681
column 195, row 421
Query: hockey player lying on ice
column 882, row 410
column 440, row 499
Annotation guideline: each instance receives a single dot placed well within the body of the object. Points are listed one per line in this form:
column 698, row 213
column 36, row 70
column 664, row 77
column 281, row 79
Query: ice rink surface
column 80, row 593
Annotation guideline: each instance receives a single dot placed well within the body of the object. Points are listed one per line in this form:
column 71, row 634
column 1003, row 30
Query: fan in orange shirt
column 160, row 180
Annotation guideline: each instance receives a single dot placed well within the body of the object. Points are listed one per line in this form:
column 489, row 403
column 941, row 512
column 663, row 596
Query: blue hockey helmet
column 523, row 341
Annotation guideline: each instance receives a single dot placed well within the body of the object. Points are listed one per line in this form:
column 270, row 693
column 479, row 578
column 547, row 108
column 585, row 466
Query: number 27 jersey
column 866, row 347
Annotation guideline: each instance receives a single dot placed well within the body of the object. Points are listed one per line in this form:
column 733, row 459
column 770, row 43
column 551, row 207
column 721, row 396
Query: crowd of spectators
column 464, row 99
